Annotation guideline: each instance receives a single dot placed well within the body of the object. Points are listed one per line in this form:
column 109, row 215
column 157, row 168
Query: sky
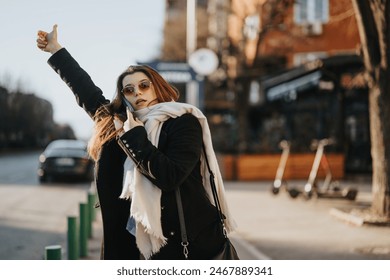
column 104, row 36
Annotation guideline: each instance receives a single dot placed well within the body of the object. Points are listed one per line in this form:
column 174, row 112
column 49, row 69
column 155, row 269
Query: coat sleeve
column 88, row 95
column 169, row 168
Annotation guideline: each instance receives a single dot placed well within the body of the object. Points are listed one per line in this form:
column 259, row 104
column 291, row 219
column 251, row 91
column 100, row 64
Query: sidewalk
column 279, row 227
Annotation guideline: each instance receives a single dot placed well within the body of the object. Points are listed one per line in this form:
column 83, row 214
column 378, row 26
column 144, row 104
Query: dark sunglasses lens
column 144, row 85
column 128, row 90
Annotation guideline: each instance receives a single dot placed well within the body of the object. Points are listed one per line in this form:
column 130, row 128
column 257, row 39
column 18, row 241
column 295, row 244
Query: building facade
column 288, row 70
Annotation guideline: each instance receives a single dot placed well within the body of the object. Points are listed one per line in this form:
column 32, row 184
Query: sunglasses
column 131, row 89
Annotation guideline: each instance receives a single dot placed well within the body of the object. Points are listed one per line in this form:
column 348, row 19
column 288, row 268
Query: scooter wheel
column 274, row 190
column 294, row 193
column 308, row 195
column 351, row 194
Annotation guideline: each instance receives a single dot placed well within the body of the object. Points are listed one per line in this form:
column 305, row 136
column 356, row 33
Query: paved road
column 283, row 228
column 33, row 216
column 19, row 168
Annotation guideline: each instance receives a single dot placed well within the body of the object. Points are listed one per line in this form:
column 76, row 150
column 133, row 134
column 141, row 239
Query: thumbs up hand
column 48, row 41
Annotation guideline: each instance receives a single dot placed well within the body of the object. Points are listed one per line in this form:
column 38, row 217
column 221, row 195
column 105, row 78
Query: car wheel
column 42, row 179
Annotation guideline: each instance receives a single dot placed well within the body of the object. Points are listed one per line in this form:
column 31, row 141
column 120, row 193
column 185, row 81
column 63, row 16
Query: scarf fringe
column 148, row 241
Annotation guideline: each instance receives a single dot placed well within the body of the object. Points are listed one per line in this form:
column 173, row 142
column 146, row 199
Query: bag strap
column 183, row 230
column 215, row 194
column 184, row 239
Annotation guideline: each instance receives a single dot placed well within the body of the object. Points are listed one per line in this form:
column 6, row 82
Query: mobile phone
column 127, row 104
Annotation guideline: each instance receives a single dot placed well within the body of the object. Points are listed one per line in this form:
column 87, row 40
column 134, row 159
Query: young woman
column 144, row 152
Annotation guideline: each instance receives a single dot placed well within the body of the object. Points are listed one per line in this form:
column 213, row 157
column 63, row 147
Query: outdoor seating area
column 263, row 167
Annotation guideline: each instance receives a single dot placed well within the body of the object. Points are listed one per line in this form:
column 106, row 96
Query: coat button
column 172, row 233
column 162, row 207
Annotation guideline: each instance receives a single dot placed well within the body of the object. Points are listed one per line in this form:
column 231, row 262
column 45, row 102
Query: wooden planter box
column 263, row 167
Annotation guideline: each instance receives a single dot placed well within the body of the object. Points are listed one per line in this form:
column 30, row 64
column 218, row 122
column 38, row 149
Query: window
column 301, row 58
column 251, row 26
column 311, row 11
column 255, row 97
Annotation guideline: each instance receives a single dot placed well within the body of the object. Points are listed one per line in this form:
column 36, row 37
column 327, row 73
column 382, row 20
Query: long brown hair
column 104, row 130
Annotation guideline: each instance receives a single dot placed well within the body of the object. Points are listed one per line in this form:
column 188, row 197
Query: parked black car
column 65, row 159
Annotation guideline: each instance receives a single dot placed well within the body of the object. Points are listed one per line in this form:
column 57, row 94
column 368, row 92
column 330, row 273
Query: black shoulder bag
column 228, row 252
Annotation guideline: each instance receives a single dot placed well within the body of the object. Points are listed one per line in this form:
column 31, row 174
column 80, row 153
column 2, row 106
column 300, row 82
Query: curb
column 346, row 217
column 356, row 220
column 247, row 251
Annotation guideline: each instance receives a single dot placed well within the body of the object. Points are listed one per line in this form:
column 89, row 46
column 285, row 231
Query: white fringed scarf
column 145, row 197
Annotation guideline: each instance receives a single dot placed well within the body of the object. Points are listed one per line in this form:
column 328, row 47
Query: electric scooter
column 279, row 183
column 329, row 188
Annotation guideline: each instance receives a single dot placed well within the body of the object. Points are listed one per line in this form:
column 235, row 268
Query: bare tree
column 373, row 18
column 28, row 121
column 273, row 14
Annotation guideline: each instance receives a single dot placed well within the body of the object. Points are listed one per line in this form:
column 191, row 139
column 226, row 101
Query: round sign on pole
column 203, row 61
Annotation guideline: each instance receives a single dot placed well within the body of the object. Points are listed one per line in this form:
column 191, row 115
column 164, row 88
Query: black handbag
column 228, row 252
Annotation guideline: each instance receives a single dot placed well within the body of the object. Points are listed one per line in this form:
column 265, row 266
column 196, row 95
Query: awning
column 288, row 84
column 289, row 90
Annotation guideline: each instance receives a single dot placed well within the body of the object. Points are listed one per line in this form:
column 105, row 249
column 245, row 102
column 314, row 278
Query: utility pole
column 191, row 27
column 192, row 92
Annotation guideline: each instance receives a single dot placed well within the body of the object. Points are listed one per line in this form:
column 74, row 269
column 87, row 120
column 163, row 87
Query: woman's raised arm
column 88, row 95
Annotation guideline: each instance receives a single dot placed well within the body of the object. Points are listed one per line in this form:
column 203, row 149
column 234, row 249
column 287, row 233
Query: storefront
column 326, row 98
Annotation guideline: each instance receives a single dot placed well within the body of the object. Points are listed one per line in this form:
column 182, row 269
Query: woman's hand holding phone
column 130, row 123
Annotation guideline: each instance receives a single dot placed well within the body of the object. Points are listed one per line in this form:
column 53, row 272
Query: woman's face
column 139, row 90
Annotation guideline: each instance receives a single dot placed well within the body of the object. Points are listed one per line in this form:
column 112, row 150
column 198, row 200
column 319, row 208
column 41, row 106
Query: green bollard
column 53, row 252
column 83, row 230
column 73, row 242
column 92, row 202
column 91, row 211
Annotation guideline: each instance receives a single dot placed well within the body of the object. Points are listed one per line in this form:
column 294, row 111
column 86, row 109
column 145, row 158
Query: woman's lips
column 139, row 101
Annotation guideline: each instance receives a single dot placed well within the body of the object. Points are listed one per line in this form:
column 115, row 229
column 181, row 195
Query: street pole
column 192, row 91
column 191, row 27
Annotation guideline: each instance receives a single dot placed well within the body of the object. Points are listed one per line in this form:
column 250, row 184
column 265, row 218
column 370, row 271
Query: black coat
column 174, row 164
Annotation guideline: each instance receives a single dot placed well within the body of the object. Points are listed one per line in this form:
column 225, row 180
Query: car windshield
column 67, row 144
